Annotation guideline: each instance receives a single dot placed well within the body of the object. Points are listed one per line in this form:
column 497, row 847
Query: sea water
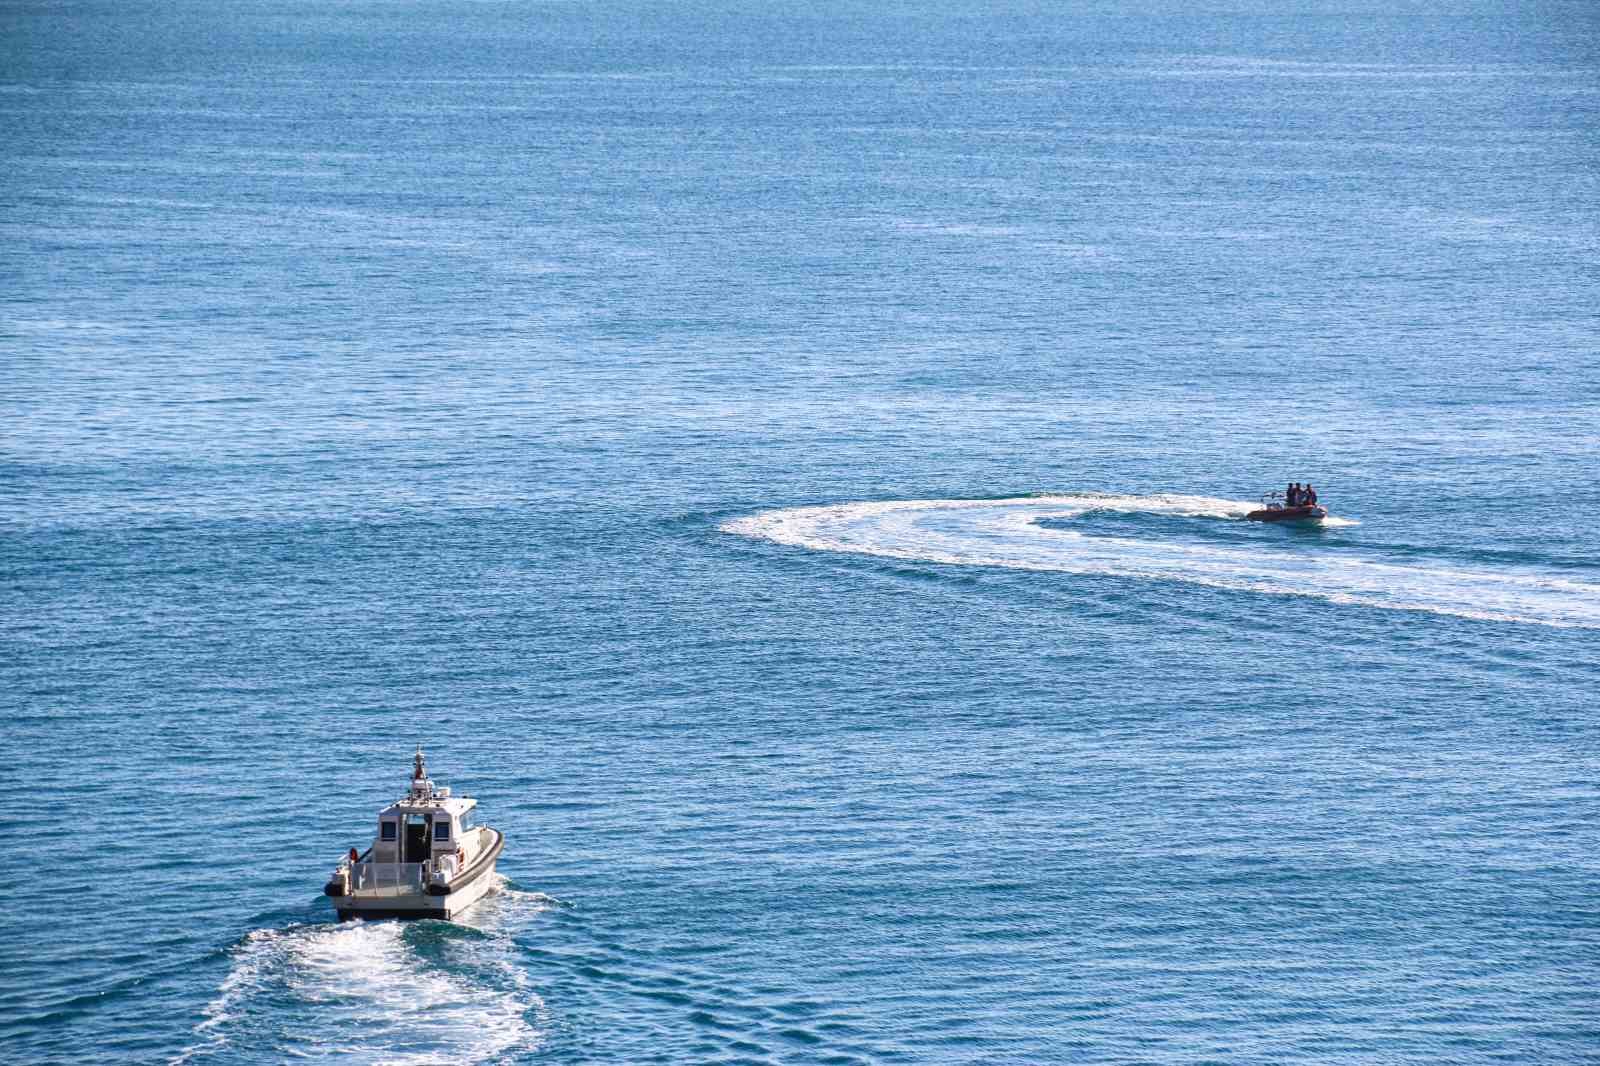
column 788, row 462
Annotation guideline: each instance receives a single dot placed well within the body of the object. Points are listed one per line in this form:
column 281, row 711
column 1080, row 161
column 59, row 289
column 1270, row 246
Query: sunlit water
column 789, row 465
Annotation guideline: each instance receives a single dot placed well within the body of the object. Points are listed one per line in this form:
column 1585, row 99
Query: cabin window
column 441, row 831
column 385, row 830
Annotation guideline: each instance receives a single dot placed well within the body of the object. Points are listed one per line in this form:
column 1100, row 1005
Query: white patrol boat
column 428, row 861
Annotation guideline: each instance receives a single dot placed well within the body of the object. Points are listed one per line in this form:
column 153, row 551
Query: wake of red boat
column 1036, row 533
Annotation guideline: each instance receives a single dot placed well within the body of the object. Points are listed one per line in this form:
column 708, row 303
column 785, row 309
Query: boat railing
column 387, row 879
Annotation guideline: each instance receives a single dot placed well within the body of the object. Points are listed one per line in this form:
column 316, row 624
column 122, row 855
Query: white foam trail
column 1009, row 533
column 359, row 992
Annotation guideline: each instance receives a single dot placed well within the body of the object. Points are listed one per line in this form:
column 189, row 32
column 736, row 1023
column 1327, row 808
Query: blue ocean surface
column 788, row 462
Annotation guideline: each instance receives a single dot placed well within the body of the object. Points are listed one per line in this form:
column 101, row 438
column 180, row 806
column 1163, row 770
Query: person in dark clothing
column 1290, row 493
column 1310, row 495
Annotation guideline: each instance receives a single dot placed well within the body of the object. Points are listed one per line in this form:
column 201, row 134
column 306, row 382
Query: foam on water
column 362, row 991
column 1034, row 533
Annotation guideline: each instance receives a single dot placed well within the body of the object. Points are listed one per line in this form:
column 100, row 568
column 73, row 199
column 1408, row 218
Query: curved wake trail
column 1034, row 533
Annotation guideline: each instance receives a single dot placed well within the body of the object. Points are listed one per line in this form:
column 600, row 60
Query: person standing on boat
column 1290, row 493
column 1310, row 495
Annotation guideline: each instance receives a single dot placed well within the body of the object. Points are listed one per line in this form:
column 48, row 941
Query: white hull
column 416, row 906
column 427, row 861
column 398, row 891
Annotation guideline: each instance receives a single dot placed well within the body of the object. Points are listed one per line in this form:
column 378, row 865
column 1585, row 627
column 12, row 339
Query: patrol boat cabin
column 429, row 860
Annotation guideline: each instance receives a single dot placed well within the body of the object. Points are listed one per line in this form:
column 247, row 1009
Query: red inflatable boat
column 1273, row 510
